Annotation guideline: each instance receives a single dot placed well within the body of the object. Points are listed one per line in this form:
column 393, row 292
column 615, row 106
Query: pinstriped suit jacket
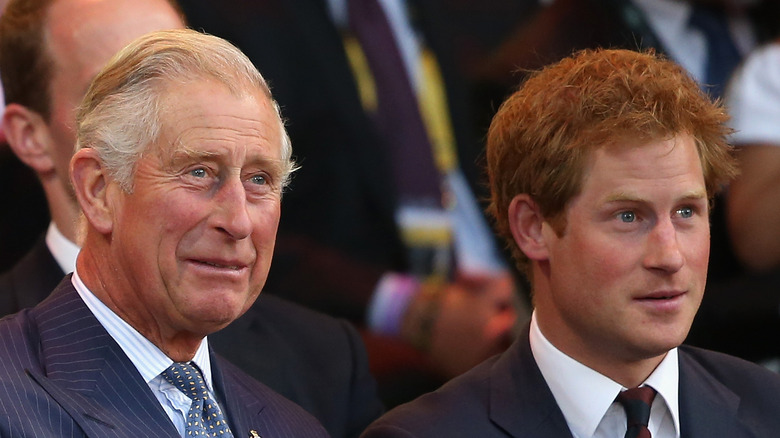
column 62, row 375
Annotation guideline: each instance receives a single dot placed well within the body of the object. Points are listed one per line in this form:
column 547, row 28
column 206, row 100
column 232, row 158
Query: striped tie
column 204, row 417
column 636, row 402
column 398, row 115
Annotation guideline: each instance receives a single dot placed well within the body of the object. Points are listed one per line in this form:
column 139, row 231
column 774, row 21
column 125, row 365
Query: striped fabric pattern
column 62, row 375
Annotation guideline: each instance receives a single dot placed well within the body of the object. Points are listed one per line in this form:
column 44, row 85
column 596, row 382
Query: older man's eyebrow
column 181, row 150
column 272, row 165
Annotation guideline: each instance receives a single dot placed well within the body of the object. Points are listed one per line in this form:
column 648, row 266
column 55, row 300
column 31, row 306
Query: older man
column 181, row 163
column 59, row 46
column 601, row 170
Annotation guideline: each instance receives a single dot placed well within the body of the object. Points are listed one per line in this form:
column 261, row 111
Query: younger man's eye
column 685, row 212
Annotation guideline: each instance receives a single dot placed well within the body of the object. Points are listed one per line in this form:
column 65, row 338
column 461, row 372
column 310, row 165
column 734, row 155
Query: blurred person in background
column 744, row 307
column 26, row 213
column 709, row 38
column 383, row 223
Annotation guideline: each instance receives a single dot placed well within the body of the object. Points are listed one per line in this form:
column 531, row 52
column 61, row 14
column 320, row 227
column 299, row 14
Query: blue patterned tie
column 204, row 417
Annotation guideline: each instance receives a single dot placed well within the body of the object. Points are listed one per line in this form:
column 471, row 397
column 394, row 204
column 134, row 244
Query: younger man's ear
column 92, row 187
column 526, row 223
column 28, row 136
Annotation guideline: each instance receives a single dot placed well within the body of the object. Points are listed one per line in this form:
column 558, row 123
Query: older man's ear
column 93, row 189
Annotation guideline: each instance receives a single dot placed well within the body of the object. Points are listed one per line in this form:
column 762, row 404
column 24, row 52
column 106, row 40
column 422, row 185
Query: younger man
column 601, row 170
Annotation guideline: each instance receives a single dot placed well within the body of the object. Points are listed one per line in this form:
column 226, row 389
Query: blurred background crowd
column 383, row 223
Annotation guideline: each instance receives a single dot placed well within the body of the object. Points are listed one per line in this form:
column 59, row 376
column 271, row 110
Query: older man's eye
column 198, row 173
column 258, row 179
column 627, row 216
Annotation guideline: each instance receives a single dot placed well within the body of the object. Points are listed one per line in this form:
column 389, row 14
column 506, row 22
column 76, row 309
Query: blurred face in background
column 81, row 36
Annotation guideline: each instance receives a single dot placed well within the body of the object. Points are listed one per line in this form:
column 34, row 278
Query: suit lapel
column 520, row 400
column 88, row 374
column 707, row 407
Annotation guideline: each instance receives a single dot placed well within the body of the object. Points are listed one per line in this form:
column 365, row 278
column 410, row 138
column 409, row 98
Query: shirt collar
column 665, row 379
column 669, row 21
column 63, row 250
column 583, row 394
column 666, row 14
column 147, row 357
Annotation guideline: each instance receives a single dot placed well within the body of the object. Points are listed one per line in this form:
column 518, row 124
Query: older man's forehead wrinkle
column 248, row 136
column 214, row 129
column 194, row 116
column 252, row 154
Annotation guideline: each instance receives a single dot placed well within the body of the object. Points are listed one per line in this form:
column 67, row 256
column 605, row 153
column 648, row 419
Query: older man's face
column 195, row 237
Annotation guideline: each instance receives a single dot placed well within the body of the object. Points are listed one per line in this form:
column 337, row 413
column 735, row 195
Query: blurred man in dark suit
column 383, row 224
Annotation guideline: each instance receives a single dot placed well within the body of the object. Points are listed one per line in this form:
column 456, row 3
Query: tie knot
column 186, row 377
column 636, row 402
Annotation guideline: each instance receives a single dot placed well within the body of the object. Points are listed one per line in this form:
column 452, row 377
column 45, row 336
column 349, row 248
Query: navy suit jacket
column 30, row 280
column 506, row 396
column 62, row 375
column 314, row 360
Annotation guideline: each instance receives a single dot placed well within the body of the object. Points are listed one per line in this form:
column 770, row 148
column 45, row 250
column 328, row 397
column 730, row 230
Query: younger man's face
column 627, row 275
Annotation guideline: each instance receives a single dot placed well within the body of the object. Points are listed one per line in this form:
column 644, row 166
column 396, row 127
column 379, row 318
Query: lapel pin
column 254, row 434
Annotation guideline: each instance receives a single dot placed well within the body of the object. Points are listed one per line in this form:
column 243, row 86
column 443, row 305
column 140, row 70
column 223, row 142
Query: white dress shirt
column 753, row 98
column 686, row 45
column 587, row 398
column 147, row 358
